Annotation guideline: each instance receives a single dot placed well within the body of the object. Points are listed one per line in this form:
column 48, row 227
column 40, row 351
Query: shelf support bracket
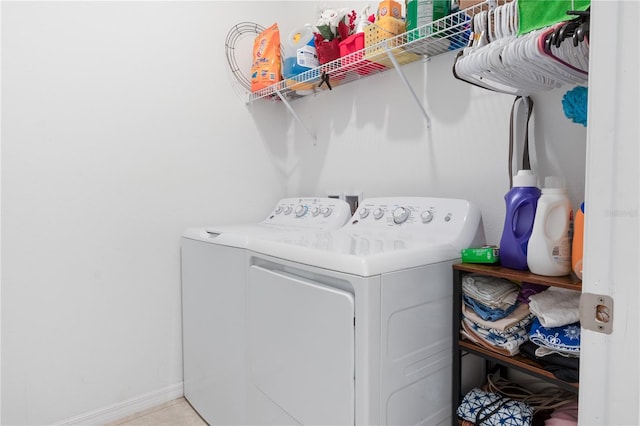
column 296, row 116
column 404, row 79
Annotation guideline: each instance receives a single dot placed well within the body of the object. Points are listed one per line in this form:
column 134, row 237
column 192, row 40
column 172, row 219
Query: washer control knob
column 287, row 209
column 278, row 210
column 301, row 210
column 326, row 211
column 378, row 213
column 364, row 212
column 401, row 214
column 426, row 216
column 315, row 211
column 448, row 217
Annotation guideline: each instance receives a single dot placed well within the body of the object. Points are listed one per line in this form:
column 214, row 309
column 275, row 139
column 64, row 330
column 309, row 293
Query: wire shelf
column 440, row 36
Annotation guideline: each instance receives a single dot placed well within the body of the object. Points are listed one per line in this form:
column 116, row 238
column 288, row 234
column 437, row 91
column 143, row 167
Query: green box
column 423, row 12
column 488, row 254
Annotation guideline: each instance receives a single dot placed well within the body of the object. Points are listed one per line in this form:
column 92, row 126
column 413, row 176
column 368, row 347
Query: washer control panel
column 311, row 211
column 426, row 215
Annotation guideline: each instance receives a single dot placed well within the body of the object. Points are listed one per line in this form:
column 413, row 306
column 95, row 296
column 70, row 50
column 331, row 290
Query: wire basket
column 383, row 34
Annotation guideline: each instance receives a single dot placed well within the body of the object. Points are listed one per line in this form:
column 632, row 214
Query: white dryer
column 214, row 266
column 354, row 326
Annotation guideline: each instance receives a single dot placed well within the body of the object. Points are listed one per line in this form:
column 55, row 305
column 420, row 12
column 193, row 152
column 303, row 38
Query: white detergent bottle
column 549, row 248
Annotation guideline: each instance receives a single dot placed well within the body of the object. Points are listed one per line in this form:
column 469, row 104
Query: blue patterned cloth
column 562, row 339
column 492, row 409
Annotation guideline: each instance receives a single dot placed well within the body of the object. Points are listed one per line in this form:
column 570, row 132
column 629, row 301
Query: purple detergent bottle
column 521, row 201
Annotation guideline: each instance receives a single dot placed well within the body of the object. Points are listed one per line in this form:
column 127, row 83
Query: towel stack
column 491, row 314
column 555, row 332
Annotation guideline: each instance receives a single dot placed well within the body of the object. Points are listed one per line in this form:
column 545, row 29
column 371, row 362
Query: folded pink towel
column 567, row 415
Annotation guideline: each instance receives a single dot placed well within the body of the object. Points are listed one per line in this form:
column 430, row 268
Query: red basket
column 352, row 51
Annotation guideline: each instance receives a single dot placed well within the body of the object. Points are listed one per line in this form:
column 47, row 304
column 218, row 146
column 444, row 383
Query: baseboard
column 126, row 408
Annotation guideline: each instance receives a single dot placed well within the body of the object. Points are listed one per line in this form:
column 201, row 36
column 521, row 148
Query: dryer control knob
column 287, row 209
column 326, row 211
column 315, row 211
column 426, row 216
column 401, row 214
column 364, row 212
column 378, row 213
column 301, row 210
column 278, row 210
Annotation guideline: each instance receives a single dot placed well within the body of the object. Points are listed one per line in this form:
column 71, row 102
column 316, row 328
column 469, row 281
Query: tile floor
column 173, row 413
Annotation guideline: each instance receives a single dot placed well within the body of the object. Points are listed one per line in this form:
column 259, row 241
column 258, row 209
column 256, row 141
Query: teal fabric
column 535, row 14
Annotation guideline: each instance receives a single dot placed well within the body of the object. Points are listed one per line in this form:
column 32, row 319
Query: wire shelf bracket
column 295, row 115
column 406, row 83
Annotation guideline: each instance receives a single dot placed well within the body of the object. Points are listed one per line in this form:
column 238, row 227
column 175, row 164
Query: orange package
column 265, row 69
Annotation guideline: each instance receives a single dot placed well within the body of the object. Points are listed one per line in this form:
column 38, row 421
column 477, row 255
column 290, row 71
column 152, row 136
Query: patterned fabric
column 491, row 409
column 509, row 341
column 562, row 339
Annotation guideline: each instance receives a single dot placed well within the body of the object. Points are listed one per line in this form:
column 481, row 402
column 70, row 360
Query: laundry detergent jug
column 521, row 202
column 577, row 245
column 549, row 250
column 299, row 52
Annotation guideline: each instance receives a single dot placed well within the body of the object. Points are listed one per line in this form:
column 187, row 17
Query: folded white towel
column 555, row 306
column 490, row 291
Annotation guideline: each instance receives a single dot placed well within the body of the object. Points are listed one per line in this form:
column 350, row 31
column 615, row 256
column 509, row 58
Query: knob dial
column 364, row 212
column 287, row 210
column 278, row 210
column 401, row 214
column 327, row 211
column 378, row 213
column 426, row 216
column 315, row 211
column 301, row 210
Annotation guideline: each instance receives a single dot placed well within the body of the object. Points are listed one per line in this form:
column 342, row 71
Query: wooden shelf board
column 567, row 281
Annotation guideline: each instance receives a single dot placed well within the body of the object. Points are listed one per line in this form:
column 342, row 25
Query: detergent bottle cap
column 525, row 178
column 554, row 184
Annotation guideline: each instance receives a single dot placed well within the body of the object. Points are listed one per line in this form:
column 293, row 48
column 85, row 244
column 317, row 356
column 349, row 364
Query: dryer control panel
column 310, row 212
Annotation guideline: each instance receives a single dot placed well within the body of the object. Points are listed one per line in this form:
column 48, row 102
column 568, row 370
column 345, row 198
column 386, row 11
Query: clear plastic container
column 549, row 249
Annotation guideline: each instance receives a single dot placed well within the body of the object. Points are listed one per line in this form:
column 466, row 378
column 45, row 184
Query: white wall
column 120, row 129
column 372, row 138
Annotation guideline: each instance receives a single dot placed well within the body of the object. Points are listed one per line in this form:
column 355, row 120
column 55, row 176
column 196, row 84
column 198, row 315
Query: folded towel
column 502, row 324
column 470, row 334
column 492, row 292
column 487, row 313
column 556, row 307
column 567, row 415
column 562, row 339
column 506, row 344
column 528, row 290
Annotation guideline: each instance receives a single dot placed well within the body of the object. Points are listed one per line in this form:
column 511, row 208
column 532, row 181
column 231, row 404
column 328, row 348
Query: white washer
column 214, row 266
column 353, row 326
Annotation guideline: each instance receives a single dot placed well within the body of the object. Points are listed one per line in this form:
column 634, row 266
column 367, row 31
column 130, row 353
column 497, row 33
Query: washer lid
column 289, row 215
